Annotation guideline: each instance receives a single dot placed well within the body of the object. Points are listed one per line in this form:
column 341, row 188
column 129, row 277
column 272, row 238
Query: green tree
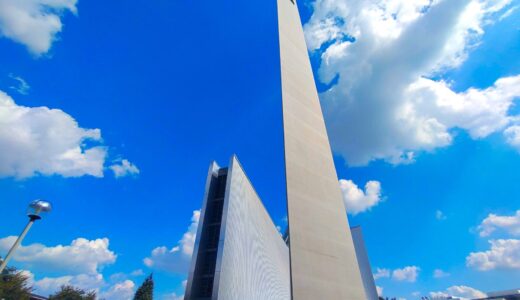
column 68, row 292
column 14, row 285
column 145, row 291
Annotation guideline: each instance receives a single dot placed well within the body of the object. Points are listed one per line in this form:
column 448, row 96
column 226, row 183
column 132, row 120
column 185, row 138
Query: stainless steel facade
column 322, row 256
column 503, row 295
column 247, row 259
column 238, row 252
column 202, row 274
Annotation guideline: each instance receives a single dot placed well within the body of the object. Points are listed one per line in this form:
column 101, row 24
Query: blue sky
column 145, row 94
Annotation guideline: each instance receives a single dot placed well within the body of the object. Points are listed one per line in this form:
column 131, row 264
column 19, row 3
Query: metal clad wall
column 322, row 256
column 255, row 260
column 212, row 175
column 364, row 263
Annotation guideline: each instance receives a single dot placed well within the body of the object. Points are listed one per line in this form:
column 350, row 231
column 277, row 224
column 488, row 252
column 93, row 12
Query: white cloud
column 510, row 224
column 81, row 256
column 357, row 200
column 480, row 112
column 124, row 168
column 458, row 291
column 29, row 275
column 381, row 273
column 465, row 292
column 81, row 261
column 438, row 273
column 22, row 87
column 120, row 291
column 177, row 258
column 512, row 135
column 173, row 296
column 123, row 290
column 379, row 291
column 439, row 215
column 504, row 254
column 439, row 295
column 88, row 282
column 33, row 23
column 409, row 274
column 383, row 105
column 44, row 141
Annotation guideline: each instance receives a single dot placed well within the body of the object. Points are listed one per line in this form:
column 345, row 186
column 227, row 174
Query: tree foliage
column 145, row 291
column 14, row 285
column 68, row 292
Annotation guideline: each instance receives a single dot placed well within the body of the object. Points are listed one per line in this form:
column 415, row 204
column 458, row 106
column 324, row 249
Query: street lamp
column 34, row 210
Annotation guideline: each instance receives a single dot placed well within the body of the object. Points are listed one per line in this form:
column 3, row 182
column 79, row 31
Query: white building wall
column 323, row 260
column 254, row 261
column 364, row 263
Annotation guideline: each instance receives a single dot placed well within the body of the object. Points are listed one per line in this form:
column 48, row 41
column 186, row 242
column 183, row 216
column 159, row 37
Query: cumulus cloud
column 82, row 256
column 120, row 291
column 458, row 291
column 29, row 275
column 379, row 291
column 504, row 254
column 78, row 264
column 408, row 274
column 124, row 168
column 512, row 135
column 465, row 292
column 177, row 258
column 88, row 282
column 123, row 290
column 357, row 200
column 380, row 56
column 381, row 273
column 438, row 273
column 33, row 23
column 493, row 222
column 439, row 295
column 44, row 141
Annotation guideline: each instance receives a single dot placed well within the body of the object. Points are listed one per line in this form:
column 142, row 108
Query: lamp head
column 37, row 207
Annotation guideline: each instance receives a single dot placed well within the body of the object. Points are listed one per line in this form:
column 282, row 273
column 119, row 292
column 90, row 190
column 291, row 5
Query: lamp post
column 36, row 207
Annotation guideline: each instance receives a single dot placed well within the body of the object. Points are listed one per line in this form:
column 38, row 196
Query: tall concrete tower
column 323, row 262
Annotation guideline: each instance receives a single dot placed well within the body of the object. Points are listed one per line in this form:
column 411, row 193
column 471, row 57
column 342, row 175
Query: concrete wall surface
column 364, row 263
column 322, row 257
